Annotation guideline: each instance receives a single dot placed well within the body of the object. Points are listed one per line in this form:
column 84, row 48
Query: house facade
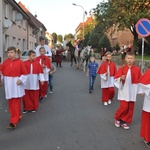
column 18, row 27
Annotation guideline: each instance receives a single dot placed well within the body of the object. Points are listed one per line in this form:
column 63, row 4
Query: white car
column 24, row 55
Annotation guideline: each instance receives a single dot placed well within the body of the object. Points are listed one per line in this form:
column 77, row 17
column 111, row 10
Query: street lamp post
column 83, row 18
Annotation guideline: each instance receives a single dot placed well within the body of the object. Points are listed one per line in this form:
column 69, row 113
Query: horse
column 79, row 47
column 84, row 56
column 72, row 52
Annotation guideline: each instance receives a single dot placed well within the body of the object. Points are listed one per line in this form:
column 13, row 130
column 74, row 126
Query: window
column 6, row 10
column 14, row 42
column 19, row 44
column 6, row 42
column 24, row 45
column 25, row 24
column 14, row 15
column 19, row 23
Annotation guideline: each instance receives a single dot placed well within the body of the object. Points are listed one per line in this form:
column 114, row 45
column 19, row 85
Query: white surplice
column 127, row 91
column 12, row 90
column 46, row 72
column 106, row 80
column 33, row 80
column 146, row 90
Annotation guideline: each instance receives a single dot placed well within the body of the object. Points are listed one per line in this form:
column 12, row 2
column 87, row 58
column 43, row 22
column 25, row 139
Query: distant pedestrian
column 91, row 72
column 15, row 76
column 46, row 65
column 42, row 44
column 107, row 71
column 145, row 123
column 35, row 74
column 51, row 73
column 58, row 57
column 126, row 80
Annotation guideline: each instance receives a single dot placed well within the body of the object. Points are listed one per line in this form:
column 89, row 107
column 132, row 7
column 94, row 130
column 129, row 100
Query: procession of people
column 28, row 82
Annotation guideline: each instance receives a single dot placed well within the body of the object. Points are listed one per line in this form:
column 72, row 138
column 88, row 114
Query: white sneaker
column 50, row 92
column 117, row 123
column 125, row 126
column 45, row 95
column 105, row 103
column 109, row 102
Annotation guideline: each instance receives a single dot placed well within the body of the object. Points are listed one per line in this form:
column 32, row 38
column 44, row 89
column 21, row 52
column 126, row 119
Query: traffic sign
column 143, row 27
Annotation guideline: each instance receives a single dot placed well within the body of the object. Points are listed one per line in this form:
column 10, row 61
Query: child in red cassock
column 15, row 76
column 46, row 65
column 126, row 80
column 145, row 124
column 107, row 71
column 35, row 73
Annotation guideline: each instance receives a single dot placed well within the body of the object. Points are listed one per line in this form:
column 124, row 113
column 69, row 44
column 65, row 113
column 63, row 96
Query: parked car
column 24, row 55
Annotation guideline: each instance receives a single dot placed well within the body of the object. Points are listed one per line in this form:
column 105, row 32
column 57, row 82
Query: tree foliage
column 54, row 35
column 105, row 43
column 123, row 14
column 95, row 35
column 59, row 38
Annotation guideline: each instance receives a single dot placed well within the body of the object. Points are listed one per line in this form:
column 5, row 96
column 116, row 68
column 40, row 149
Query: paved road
column 71, row 119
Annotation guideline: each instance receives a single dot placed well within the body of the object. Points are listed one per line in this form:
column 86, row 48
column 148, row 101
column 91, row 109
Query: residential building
column 18, row 27
column 88, row 26
column 13, row 26
column 34, row 32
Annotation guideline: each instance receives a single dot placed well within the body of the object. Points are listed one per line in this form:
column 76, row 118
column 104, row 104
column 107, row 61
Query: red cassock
column 126, row 97
column 58, row 58
column 12, row 70
column 145, row 122
column 44, row 60
column 107, row 86
column 35, row 73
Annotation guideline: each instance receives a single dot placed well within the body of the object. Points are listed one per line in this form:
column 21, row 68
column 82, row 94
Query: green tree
column 59, row 38
column 54, row 35
column 96, row 34
column 105, row 43
column 123, row 14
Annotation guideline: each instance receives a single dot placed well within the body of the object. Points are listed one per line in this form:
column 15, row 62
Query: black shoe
column 90, row 91
column 60, row 66
column 11, row 126
column 147, row 144
column 41, row 100
column 25, row 111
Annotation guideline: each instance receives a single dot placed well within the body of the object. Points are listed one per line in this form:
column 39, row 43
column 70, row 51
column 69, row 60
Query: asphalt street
column 71, row 119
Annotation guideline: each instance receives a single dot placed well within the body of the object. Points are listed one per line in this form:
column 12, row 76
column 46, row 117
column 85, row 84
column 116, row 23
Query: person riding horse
column 72, row 50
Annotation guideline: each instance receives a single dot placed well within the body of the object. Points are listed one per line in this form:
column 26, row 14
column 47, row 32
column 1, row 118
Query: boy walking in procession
column 107, row 71
column 91, row 72
column 145, row 123
column 46, row 65
column 35, row 73
column 15, row 76
column 51, row 73
column 126, row 80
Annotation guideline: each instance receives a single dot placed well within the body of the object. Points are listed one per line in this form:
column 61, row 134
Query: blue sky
column 59, row 16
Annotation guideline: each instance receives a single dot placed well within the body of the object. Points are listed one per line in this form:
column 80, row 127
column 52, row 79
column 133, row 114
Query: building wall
column 20, row 34
column 124, row 37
